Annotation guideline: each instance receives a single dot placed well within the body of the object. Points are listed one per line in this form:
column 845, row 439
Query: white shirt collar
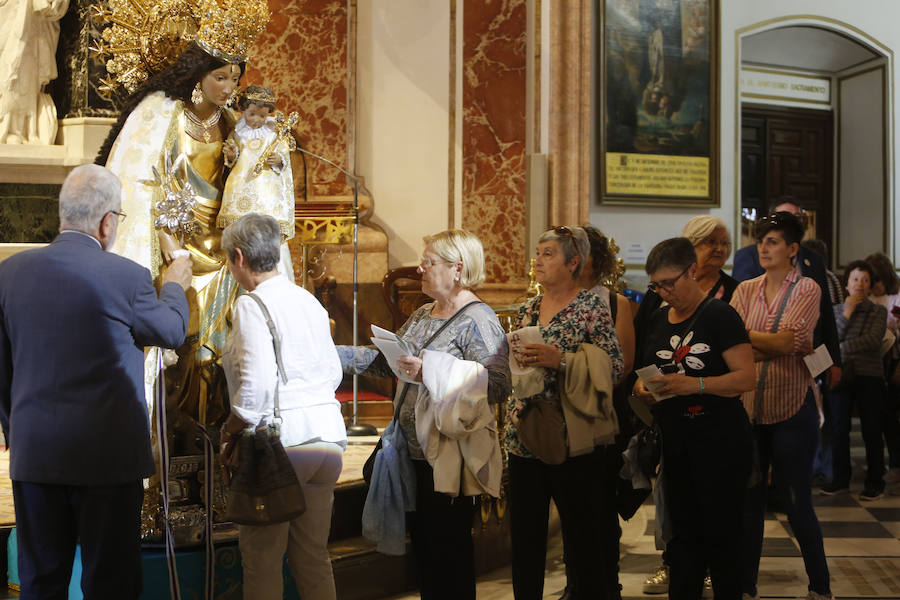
column 245, row 132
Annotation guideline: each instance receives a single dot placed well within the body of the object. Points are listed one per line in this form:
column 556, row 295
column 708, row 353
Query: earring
column 197, row 94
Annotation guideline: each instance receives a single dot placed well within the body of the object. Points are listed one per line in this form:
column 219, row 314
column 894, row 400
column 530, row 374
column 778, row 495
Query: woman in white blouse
column 312, row 430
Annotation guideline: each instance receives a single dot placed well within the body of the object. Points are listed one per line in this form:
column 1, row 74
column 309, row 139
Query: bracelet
column 701, row 385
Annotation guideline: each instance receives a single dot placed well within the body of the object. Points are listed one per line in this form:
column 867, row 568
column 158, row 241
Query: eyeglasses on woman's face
column 666, row 285
column 428, row 262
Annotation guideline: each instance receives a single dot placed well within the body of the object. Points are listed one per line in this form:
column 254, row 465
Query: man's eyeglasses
column 118, row 213
column 563, row 230
column 666, row 285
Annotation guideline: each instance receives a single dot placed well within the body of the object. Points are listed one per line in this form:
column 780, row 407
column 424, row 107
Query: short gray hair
column 573, row 245
column 258, row 237
column 87, row 195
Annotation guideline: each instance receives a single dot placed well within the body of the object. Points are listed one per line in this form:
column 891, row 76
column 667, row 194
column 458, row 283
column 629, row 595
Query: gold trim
column 763, row 26
column 885, row 204
column 714, row 198
column 828, row 80
column 861, row 38
column 787, row 73
column 451, row 123
column 785, row 99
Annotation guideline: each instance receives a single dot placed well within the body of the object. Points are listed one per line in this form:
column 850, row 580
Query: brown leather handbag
column 264, row 488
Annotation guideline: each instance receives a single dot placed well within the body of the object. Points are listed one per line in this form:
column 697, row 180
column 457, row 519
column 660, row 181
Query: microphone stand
column 355, row 427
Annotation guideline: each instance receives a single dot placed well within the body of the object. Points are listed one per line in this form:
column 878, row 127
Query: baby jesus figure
column 269, row 191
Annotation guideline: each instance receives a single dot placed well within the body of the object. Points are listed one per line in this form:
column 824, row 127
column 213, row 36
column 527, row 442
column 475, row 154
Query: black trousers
column 105, row 520
column 441, row 533
column 707, row 457
column 587, row 512
column 868, row 394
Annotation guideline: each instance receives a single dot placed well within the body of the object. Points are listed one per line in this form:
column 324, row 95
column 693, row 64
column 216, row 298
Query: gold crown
column 263, row 95
column 229, row 27
column 145, row 37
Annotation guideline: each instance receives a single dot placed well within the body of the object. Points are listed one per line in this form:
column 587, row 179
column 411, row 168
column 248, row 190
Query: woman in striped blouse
column 780, row 309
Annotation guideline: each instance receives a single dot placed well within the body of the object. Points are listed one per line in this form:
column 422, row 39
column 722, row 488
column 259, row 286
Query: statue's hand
column 167, row 246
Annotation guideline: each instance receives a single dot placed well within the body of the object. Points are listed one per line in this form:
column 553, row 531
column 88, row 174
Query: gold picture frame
column 659, row 103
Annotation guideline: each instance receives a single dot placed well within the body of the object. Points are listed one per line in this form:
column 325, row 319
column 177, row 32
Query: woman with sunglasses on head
column 780, row 309
column 700, row 345
column 456, row 328
column 569, row 317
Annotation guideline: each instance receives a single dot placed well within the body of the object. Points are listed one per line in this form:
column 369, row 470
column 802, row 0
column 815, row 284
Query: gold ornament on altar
column 145, row 37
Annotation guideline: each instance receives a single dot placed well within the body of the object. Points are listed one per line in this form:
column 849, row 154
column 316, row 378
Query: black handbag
column 264, row 488
column 369, row 465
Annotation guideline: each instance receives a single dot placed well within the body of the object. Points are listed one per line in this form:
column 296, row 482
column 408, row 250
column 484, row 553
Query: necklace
column 204, row 126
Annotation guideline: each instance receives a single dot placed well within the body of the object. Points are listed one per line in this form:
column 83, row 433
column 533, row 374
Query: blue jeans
column 867, row 393
column 789, row 447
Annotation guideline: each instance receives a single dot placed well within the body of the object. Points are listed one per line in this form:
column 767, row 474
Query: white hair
column 87, row 195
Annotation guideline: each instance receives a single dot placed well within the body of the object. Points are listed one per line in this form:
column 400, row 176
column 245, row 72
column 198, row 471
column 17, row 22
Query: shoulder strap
column 276, row 345
column 613, row 306
column 425, row 345
column 693, row 320
column 764, row 369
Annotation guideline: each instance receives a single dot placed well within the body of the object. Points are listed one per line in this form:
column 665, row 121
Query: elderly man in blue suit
column 746, row 266
column 74, row 321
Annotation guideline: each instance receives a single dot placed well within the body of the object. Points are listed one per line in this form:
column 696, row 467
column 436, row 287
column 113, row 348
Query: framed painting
column 659, row 102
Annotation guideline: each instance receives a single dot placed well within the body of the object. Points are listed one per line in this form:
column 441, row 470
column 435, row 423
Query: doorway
column 787, row 151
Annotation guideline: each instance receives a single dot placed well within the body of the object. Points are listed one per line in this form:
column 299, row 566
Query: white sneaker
column 816, row 596
column 746, row 596
column 658, row 583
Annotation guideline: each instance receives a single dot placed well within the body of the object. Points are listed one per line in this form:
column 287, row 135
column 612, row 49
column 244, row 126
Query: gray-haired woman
column 568, row 316
column 312, row 430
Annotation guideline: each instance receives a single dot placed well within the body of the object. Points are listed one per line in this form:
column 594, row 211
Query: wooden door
column 795, row 147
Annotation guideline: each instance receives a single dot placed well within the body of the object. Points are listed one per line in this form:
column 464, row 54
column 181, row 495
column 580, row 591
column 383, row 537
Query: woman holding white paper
column 780, row 309
column 701, row 346
column 583, row 484
column 441, row 527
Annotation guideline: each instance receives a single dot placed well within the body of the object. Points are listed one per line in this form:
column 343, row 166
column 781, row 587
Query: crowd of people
column 740, row 414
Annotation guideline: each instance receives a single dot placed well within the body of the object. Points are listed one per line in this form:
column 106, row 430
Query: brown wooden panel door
column 797, row 153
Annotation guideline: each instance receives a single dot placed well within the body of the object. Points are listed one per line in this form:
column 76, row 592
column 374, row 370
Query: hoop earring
column 196, row 94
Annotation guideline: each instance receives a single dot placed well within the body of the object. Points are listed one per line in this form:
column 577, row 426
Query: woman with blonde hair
column 456, row 328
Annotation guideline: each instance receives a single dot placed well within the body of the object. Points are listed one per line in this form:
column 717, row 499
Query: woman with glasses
column 568, row 316
column 780, row 309
column 440, row 528
column 712, row 244
column 701, row 348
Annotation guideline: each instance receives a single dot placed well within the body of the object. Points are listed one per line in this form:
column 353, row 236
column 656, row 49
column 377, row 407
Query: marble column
column 493, row 133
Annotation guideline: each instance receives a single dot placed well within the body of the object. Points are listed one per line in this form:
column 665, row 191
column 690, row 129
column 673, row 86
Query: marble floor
column 862, row 543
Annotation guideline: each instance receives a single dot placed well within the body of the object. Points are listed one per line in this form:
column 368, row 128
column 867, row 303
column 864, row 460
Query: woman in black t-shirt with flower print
column 703, row 347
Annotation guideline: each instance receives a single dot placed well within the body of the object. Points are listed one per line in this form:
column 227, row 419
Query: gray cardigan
column 860, row 337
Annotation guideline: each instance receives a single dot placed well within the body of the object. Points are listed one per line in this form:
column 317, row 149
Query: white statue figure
column 29, row 31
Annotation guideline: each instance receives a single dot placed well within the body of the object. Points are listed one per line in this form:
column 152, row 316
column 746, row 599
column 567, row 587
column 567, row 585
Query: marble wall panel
column 493, row 133
column 302, row 57
column 28, row 212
